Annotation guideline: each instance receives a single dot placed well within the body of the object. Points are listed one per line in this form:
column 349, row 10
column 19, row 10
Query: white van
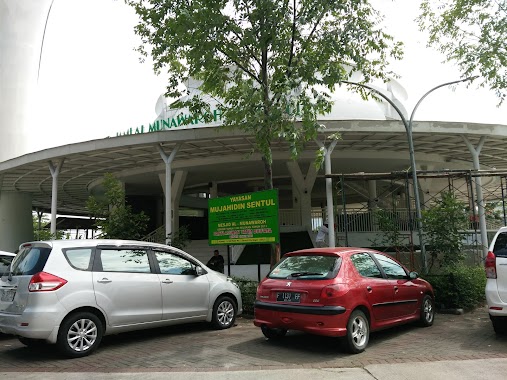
column 496, row 284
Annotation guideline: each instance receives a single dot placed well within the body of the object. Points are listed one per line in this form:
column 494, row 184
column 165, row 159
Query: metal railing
column 156, row 236
column 356, row 220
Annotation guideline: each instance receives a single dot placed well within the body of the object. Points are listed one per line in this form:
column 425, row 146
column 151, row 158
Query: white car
column 72, row 292
column 5, row 261
column 496, row 284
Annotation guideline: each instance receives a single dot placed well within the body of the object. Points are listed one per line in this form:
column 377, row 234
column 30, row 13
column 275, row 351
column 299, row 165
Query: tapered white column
column 179, row 179
column 168, row 159
column 329, row 190
column 303, row 186
column 55, row 172
column 475, row 152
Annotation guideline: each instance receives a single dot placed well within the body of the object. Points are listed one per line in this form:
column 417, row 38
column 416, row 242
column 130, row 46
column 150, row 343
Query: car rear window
column 500, row 247
column 30, row 260
column 314, row 267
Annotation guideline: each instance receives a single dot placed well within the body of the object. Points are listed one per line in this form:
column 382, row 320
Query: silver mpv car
column 72, row 292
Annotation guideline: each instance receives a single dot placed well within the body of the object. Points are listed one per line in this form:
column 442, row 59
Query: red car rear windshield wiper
column 300, row 274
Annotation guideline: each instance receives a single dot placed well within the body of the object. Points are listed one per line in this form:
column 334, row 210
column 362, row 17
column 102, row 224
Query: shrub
column 459, row 286
column 248, row 290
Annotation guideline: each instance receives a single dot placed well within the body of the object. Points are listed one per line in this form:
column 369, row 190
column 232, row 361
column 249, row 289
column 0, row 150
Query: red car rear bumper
column 319, row 320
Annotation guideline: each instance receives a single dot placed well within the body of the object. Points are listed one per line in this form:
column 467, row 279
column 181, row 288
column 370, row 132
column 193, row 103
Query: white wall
column 21, row 30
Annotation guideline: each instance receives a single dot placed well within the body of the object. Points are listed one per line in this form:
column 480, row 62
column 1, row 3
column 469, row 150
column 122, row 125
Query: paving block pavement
column 198, row 348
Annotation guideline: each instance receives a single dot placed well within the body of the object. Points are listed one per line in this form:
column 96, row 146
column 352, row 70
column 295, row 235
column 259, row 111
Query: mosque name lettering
column 189, row 121
column 179, row 121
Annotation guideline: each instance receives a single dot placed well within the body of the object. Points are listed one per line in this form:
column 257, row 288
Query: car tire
column 30, row 342
column 427, row 311
column 358, row 332
column 224, row 313
column 499, row 325
column 79, row 334
column 273, row 333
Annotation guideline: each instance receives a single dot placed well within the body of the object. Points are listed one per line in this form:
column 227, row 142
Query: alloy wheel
column 225, row 313
column 359, row 331
column 428, row 310
column 82, row 335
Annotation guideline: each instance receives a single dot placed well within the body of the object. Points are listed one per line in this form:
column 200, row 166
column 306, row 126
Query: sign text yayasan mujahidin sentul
column 244, row 219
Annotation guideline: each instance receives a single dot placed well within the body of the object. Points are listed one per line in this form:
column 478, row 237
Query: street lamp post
column 408, row 129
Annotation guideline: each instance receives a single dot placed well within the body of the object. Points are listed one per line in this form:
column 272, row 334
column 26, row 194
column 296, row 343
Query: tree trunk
column 268, row 185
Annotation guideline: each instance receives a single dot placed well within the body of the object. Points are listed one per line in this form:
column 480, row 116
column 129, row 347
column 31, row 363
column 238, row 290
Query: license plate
column 288, row 297
column 7, row 295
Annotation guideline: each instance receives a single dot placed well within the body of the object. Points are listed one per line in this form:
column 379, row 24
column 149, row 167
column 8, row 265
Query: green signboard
column 244, row 219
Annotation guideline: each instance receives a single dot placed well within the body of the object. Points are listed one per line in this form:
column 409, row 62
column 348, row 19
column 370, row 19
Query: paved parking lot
column 196, row 347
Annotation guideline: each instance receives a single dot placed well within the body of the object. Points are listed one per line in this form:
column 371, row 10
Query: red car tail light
column 490, row 265
column 332, row 292
column 45, row 282
column 257, row 292
column 260, row 294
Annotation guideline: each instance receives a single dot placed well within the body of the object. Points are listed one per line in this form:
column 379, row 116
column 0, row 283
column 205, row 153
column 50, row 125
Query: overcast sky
column 92, row 84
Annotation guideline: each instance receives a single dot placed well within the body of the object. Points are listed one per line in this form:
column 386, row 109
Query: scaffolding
column 359, row 210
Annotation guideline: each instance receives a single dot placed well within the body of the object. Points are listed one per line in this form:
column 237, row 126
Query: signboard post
column 243, row 219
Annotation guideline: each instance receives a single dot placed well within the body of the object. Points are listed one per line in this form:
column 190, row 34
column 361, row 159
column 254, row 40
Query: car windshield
column 306, row 267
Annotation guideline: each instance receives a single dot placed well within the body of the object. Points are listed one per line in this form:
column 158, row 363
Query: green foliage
column 493, row 210
column 181, row 238
column 268, row 63
column 442, row 224
column 40, row 233
column 248, row 290
column 460, row 287
column 471, row 33
column 113, row 217
column 388, row 223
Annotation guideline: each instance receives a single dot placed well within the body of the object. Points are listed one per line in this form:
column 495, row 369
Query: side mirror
column 413, row 275
column 199, row 271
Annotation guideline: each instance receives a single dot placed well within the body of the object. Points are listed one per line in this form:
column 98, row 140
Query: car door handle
column 167, row 281
column 396, row 289
column 368, row 288
column 104, row 280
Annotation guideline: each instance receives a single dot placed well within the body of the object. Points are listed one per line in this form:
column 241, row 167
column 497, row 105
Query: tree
column 268, row 63
column 443, row 224
column 472, row 33
column 113, row 217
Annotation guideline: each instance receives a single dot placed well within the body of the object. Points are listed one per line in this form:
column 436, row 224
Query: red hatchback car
column 341, row 292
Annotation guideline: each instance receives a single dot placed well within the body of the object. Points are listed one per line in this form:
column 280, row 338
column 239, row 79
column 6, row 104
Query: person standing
column 320, row 240
column 216, row 262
